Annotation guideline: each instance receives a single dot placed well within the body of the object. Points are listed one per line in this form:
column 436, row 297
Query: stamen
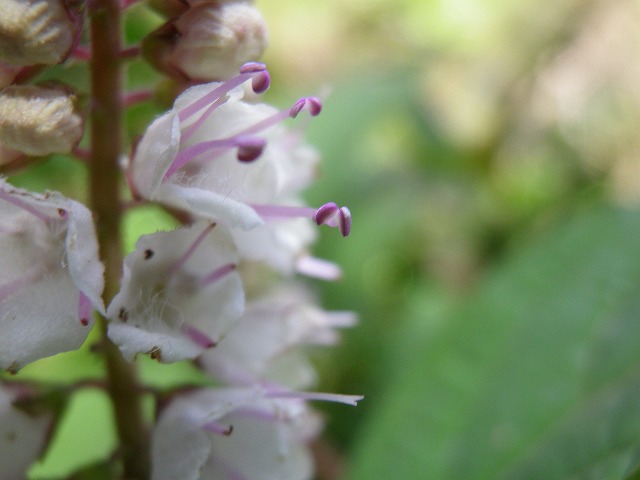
column 191, row 129
column 325, row 212
column 344, row 221
column 284, row 211
column 313, row 104
column 318, row 268
column 238, row 140
column 85, row 309
column 320, row 396
column 198, row 149
column 198, row 337
column 218, row 428
column 261, row 81
column 328, row 214
column 343, row 319
column 218, row 274
column 257, row 72
column 250, row 148
column 190, row 251
column 24, row 206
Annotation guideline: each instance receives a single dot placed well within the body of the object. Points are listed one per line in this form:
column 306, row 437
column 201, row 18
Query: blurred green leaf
column 538, row 376
column 86, row 435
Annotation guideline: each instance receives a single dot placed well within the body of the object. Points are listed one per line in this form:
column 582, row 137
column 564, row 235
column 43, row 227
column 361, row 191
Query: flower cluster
column 219, row 291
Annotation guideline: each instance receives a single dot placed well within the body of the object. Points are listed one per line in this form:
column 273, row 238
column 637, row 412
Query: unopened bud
column 39, row 121
column 36, row 31
column 210, row 41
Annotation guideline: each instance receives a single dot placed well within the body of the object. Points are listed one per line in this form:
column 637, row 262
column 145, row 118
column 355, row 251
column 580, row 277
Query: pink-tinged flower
column 22, row 437
column 219, row 157
column 233, row 434
column 266, row 344
column 180, row 293
column 51, row 277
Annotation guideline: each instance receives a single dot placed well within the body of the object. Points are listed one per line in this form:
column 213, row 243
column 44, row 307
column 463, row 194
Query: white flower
column 219, row 157
column 180, row 293
column 22, row 437
column 51, row 278
column 266, row 343
column 232, row 434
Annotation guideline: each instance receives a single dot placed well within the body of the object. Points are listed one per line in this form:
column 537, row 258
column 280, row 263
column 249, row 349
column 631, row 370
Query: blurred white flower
column 22, row 437
column 51, row 278
column 266, row 344
column 180, row 293
column 229, row 434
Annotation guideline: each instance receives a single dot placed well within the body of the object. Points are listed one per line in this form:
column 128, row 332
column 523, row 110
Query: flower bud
column 39, row 121
column 36, row 31
column 210, row 41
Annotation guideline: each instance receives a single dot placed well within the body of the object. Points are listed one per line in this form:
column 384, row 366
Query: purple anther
column 250, row 148
column 297, row 107
column 198, row 337
column 218, row 274
column 344, row 221
column 325, row 212
column 315, row 106
column 253, row 67
column 312, row 104
column 319, row 396
column 260, row 82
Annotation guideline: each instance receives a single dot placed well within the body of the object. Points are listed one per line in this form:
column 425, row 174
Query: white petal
column 155, row 153
column 82, row 254
column 40, row 321
column 165, row 304
column 22, row 437
column 48, row 255
column 210, row 205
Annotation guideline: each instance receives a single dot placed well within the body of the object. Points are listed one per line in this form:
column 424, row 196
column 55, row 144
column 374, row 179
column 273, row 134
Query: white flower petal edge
column 22, row 437
column 180, row 293
column 233, row 433
column 155, row 153
column 51, row 278
column 266, row 343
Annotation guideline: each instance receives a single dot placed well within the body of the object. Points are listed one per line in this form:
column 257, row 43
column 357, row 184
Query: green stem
column 106, row 144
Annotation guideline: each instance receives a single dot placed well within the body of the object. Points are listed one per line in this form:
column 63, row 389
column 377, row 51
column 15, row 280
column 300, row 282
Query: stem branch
column 106, row 145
